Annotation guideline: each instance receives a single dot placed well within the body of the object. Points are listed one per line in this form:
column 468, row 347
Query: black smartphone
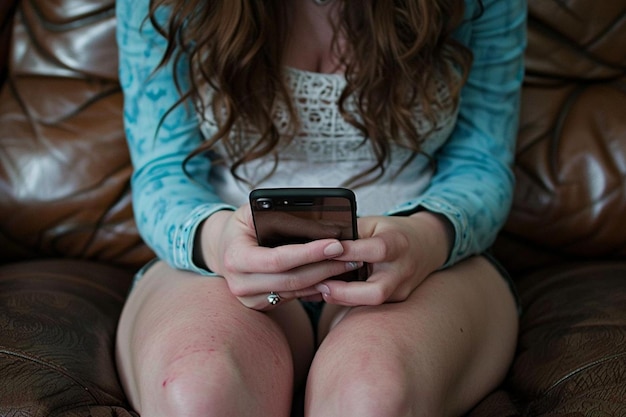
column 284, row 216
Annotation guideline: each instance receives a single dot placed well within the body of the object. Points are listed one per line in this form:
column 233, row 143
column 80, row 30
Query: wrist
column 209, row 231
column 437, row 233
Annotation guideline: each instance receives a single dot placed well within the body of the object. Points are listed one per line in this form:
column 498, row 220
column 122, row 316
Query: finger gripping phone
column 284, row 216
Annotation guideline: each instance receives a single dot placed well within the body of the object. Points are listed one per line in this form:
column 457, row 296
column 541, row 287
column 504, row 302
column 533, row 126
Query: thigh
column 437, row 353
column 180, row 332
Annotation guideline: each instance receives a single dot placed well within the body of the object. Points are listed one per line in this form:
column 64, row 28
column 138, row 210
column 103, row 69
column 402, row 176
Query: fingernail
column 333, row 249
column 323, row 288
column 351, row 266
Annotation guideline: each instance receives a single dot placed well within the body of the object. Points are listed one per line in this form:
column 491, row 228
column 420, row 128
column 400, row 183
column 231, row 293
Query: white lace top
column 328, row 150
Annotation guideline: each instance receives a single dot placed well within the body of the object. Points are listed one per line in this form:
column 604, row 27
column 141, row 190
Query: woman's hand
column 401, row 253
column 229, row 248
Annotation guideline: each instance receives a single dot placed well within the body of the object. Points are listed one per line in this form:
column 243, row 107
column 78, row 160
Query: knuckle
column 401, row 295
column 391, row 245
column 229, row 262
column 292, row 282
column 380, row 295
column 382, row 250
column 236, row 289
column 274, row 259
column 275, row 263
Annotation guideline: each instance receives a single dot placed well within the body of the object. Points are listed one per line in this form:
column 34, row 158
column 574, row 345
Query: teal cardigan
column 472, row 185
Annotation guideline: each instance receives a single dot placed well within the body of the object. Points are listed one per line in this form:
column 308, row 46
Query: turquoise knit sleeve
column 168, row 204
column 473, row 183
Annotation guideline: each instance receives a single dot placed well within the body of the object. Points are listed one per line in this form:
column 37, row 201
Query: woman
column 413, row 104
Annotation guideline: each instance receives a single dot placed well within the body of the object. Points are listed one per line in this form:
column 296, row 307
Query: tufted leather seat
column 69, row 245
column 571, row 158
column 63, row 155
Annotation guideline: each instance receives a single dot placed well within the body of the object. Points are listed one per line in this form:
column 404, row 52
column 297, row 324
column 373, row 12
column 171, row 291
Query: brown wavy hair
column 394, row 52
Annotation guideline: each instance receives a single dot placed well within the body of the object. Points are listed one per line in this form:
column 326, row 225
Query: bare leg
column 187, row 347
column 436, row 354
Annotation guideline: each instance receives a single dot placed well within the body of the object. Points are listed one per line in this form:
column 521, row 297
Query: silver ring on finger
column 273, row 298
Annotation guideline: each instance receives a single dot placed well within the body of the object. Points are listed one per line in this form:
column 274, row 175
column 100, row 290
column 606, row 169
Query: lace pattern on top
column 327, row 150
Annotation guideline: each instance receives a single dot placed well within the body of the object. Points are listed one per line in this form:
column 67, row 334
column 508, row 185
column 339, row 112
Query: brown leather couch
column 69, row 246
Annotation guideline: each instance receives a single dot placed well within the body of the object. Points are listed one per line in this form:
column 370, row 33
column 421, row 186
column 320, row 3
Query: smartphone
column 284, row 216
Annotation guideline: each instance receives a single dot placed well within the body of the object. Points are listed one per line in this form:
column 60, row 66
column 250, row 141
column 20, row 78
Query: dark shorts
column 507, row 277
column 314, row 309
column 142, row 271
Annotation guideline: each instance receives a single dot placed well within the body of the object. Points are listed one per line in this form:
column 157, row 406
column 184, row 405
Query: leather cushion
column 575, row 40
column 58, row 322
column 6, row 18
column 572, row 343
column 571, row 153
column 64, row 166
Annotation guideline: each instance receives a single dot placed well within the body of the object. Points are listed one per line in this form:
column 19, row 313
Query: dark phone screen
column 282, row 221
column 297, row 216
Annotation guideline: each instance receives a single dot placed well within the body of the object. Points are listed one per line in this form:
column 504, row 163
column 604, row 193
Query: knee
column 369, row 386
column 368, row 395
column 217, row 383
column 202, row 387
column 188, row 395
